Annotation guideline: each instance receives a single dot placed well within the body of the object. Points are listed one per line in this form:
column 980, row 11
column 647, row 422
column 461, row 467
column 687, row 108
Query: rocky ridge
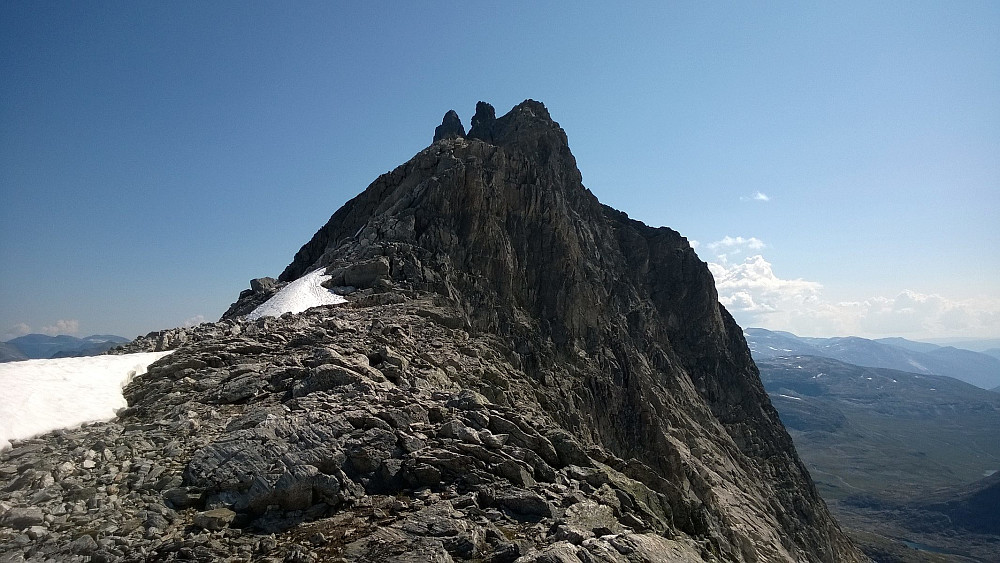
column 520, row 374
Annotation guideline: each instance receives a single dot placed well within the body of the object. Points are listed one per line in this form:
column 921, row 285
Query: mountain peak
column 451, row 127
column 605, row 317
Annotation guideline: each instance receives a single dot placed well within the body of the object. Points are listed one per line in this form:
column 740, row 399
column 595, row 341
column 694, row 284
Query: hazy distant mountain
column 981, row 370
column 769, row 343
column 10, row 353
column 41, row 346
column 908, row 344
column 995, row 352
column 974, row 344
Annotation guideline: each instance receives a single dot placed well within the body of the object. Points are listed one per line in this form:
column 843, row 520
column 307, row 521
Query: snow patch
column 42, row 395
column 790, row 397
column 297, row 296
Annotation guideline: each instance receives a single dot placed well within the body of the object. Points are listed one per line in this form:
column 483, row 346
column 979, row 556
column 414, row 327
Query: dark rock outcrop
column 261, row 289
column 521, row 373
column 451, row 127
column 483, row 122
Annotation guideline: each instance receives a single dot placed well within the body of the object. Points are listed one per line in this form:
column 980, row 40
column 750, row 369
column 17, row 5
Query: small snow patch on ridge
column 298, row 296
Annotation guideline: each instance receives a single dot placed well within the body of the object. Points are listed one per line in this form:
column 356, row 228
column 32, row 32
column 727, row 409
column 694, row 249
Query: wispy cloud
column 757, row 196
column 194, row 321
column 62, row 326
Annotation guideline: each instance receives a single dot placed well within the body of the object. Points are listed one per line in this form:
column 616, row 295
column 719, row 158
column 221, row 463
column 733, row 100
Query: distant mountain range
column 977, row 368
column 41, row 346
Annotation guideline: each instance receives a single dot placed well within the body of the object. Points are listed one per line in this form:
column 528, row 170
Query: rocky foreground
column 331, row 434
column 520, row 374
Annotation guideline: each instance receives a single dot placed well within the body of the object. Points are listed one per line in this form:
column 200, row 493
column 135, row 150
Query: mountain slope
column 908, row 344
column 894, row 452
column 10, row 353
column 520, row 373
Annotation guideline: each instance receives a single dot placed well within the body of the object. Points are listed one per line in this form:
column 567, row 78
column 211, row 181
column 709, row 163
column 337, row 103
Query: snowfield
column 298, row 296
column 43, row 395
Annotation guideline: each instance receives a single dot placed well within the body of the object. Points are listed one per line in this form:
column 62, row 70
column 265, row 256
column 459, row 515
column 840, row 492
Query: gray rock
column 216, row 519
column 21, row 518
column 183, row 497
column 523, row 502
column 365, row 274
column 83, row 545
column 258, row 285
column 593, row 517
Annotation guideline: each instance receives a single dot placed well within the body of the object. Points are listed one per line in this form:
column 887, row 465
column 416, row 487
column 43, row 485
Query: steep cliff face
column 617, row 324
column 520, row 374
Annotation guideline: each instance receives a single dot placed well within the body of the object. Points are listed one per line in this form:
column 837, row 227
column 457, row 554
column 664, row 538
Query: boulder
column 216, row 519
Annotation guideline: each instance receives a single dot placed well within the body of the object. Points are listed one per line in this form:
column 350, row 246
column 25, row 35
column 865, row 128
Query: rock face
column 522, row 374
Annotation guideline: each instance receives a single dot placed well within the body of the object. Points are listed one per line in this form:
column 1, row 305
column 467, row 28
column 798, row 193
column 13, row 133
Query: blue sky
column 156, row 156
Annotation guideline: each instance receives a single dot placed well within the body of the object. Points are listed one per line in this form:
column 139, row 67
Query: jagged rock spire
column 482, row 122
column 451, row 126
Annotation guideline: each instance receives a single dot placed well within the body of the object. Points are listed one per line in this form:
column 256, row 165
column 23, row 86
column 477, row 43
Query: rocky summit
column 519, row 373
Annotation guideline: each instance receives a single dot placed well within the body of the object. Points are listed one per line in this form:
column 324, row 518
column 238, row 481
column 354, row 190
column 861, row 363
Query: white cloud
column 753, row 287
column 733, row 246
column 62, row 326
column 756, row 296
column 20, row 329
column 194, row 321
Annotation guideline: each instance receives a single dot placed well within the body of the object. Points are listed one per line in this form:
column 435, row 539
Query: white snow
column 790, row 397
column 298, row 296
column 43, row 395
